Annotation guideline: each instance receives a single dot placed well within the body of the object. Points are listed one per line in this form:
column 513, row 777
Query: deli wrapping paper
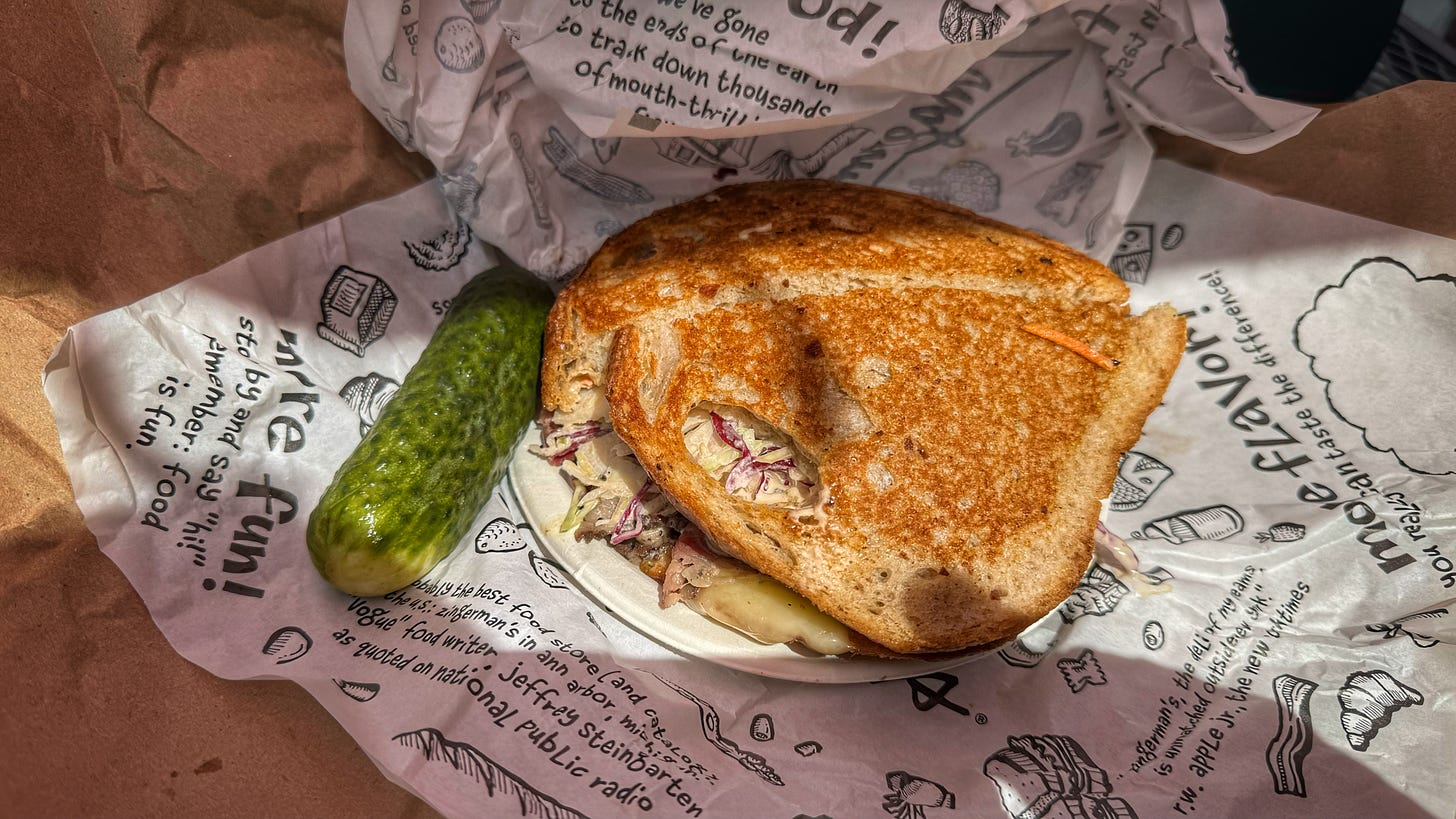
column 1280, row 650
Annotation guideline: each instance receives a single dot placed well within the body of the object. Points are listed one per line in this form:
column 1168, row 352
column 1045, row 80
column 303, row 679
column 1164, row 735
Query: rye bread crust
column 966, row 457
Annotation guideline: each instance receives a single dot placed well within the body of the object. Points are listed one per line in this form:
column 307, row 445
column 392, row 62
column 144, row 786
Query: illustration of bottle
column 1208, row 523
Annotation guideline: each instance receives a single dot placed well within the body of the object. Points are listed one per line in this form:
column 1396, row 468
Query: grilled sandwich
column 855, row 419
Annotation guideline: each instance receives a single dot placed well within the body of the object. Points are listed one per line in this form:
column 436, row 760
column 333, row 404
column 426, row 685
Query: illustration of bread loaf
column 1368, row 699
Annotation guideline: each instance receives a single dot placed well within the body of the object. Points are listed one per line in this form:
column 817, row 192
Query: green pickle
column 407, row 495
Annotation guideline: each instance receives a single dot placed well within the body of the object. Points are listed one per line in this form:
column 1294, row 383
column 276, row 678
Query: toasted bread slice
column 960, row 458
column 776, row 240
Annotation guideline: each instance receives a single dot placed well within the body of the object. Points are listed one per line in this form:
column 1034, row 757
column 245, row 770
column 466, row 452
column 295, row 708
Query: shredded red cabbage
column 633, row 521
column 573, row 441
column 747, row 468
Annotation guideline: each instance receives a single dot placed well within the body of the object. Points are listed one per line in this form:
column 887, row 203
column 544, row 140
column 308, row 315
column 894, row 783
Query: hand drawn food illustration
column 462, row 191
column 607, row 186
column 499, row 536
column 1398, row 627
column 458, row 46
column 910, row 795
column 1059, row 137
column 356, row 308
column 1293, row 736
column 287, row 644
column 358, row 691
column 1138, row 477
column 368, row 394
column 442, row 252
column 762, row 727
column 1209, row 523
column 480, row 10
column 498, row 780
column 960, row 22
column 967, row 184
column 1051, row 775
column 783, row 165
column 694, row 152
column 1378, row 341
column 711, row 722
column 1133, row 257
column 1281, row 533
column 1082, row 671
column 1097, row 594
column 549, row 572
column 1368, row 700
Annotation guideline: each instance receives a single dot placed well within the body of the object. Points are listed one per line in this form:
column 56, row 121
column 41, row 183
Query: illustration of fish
column 960, row 22
column 1027, row 650
column 604, row 185
column 711, row 722
column 497, row 779
column 1082, row 671
column 442, row 252
column 1398, row 627
column 368, row 394
column 358, row 691
column 1057, row 138
column 1061, row 201
column 1153, row 635
column 1294, row 735
column 1051, row 775
column 910, row 795
column 1368, row 700
column 1172, row 237
column 1138, row 477
column 287, row 644
column 783, row 165
column 607, row 227
column 968, row 184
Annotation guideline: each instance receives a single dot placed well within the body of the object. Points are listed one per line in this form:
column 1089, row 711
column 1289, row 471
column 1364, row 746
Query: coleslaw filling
column 753, row 461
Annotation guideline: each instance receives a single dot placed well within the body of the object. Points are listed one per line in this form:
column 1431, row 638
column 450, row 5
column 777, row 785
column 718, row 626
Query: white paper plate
column 621, row 588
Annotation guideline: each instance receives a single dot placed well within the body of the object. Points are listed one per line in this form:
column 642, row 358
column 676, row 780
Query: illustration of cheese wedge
column 1368, row 699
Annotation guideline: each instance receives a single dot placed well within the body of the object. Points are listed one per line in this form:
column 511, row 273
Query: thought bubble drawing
column 1381, row 342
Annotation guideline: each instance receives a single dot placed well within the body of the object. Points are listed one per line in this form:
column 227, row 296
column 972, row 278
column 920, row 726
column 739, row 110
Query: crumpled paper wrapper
column 553, row 125
column 710, row 716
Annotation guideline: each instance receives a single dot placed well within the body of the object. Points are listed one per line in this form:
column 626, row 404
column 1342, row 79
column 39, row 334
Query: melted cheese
column 768, row 611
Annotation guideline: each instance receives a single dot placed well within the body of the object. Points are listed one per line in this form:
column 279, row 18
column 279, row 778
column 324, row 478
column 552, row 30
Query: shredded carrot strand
column 1072, row 344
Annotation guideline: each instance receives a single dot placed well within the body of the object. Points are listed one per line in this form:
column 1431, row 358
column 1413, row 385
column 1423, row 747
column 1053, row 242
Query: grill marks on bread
column 965, row 457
